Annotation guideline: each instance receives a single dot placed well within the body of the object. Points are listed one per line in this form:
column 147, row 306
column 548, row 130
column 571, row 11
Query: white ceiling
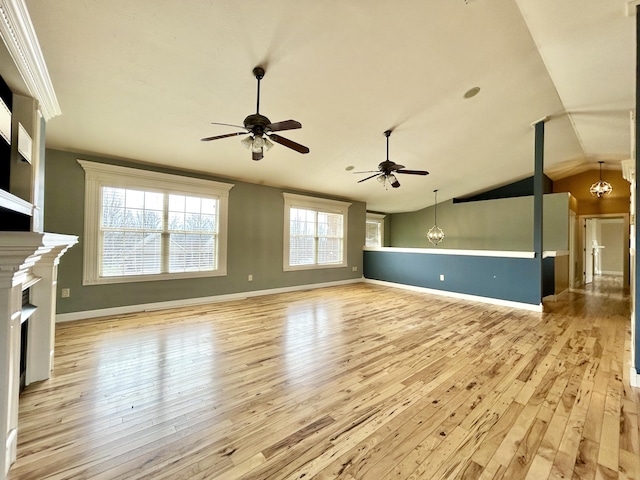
column 144, row 79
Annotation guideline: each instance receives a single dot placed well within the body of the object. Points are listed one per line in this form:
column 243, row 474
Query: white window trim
column 378, row 217
column 313, row 203
column 98, row 175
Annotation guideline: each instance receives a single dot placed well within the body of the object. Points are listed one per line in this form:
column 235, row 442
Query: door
column 589, row 236
column 573, row 250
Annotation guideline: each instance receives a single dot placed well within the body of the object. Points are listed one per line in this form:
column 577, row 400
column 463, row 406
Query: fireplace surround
column 27, row 260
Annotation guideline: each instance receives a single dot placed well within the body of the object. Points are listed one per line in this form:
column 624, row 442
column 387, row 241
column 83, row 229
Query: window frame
column 379, row 219
column 323, row 205
column 99, row 175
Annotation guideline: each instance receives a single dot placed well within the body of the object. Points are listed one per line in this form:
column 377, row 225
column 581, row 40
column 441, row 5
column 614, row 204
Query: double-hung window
column 142, row 225
column 315, row 232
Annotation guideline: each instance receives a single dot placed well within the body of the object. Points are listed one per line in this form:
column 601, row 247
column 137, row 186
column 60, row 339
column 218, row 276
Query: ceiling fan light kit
column 256, row 144
column 393, row 180
column 260, row 129
column 601, row 188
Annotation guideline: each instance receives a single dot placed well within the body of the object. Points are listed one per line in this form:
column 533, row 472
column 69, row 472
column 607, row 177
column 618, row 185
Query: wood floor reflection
column 354, row 382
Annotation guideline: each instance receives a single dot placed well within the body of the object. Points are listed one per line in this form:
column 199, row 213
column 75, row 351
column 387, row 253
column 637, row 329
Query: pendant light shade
column 601, row 188
column 435, row 233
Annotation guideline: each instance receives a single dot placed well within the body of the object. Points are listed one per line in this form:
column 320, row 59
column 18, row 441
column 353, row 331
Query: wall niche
column 17, row 122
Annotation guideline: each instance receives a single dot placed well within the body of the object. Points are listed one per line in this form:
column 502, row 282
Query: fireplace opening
column 24, row 332
column 27, row 311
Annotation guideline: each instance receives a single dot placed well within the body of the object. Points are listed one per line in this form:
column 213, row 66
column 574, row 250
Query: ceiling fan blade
column 227, row 124
column 285, row 125
column 374, row 175
column 288, row 143
column 207, row 139
column 395, row 167
column 257, row 155
column 413, row 172
column 367, row 171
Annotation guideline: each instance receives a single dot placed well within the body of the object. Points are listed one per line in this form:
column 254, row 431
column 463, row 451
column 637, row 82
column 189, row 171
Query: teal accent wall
column 510, row 279
column 501, row 224
column 255, row 243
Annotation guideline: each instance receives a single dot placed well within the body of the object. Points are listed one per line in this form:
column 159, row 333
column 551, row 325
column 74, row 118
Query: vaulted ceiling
column 144, row 79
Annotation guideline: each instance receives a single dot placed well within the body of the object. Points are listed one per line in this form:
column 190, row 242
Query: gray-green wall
column 503, row 224
column 255, row 243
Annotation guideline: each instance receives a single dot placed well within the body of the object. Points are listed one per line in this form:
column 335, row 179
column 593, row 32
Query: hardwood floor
column 352, row 382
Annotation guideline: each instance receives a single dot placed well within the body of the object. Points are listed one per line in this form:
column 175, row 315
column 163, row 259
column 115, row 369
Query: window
column 142, row 225
column 315, row 232
column 374, row 230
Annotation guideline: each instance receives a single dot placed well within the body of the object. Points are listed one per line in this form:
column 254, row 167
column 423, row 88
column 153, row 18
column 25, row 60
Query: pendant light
column 601, row 187
column 435, row 233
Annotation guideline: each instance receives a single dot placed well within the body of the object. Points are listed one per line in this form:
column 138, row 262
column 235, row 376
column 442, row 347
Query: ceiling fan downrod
column 387, row 134
column 258, row 72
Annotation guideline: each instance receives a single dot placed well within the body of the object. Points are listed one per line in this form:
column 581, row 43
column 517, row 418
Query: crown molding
column 21, row 41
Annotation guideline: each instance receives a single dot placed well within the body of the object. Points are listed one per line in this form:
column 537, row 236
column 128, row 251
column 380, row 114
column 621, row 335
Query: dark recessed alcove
column 11, row 221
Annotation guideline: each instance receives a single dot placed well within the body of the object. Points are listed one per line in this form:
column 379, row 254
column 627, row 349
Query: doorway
column 604, row 244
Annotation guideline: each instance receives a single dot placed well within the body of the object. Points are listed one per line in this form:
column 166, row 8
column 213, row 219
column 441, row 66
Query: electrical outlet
column 250, row 277
column 441, row 277
column 354, row 269
column 65, row 292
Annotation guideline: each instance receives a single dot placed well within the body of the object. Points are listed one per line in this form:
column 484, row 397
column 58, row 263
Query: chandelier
column 601, row 187
column 435, row 233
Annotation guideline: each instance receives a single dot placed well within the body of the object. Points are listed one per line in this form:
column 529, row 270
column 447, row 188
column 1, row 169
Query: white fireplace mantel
column 27, row 260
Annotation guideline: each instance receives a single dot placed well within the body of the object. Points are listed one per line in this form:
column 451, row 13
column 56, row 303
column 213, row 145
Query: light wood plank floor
column 353, row 382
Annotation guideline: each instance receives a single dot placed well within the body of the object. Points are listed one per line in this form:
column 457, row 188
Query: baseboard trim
column 188, row 302
column 11, row 449
column 463, row 296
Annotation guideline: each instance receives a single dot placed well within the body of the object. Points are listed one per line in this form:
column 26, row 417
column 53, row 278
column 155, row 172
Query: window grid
column 146, row 233
column 316, row 237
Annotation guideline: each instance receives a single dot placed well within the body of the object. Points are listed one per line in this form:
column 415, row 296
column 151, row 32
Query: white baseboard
column 188, row 302
column 11, row 449
column 610, row 272
column 463, row 296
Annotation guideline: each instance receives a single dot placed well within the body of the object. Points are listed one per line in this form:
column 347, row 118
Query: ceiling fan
column 260, row 129
column 387, row 169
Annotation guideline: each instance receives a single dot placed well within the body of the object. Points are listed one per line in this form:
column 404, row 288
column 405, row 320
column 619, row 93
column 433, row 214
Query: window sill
column 151, row 278
column 289, row 268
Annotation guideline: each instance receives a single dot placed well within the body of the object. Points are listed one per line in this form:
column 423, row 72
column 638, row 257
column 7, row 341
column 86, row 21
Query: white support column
column 9, row 367
column 629, row 174
column 42, row 328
